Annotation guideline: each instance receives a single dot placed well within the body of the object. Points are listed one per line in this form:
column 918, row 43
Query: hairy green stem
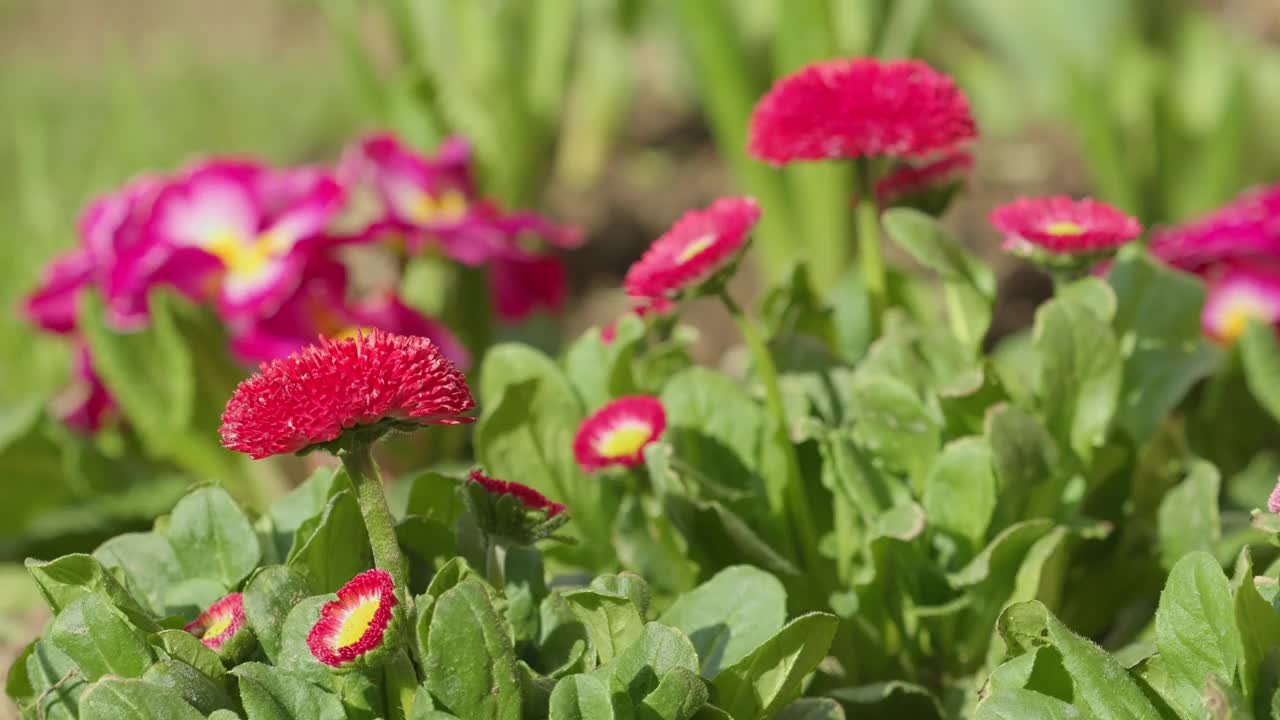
column 401, row 685
column 495, row 558
column 367, row 483
column 869, row 255
column 796, row 500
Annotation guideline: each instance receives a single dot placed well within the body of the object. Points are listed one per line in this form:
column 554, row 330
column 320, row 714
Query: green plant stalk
column 495, row 556
column 796, row 501
column 401, row 685
column 362, row 470
column 870, row 257
column 955, row 314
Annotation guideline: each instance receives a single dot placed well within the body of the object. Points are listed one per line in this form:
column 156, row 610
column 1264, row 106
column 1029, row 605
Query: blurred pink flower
column 1239, row 294
column 318, row 306
column 52, row 305
column 521, row 285
column 1246, row 228
column 85, row 405
column 225, row 236
column 1062, row 226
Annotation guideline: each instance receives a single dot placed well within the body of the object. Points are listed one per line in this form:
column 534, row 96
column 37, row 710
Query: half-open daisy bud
column 221, row 628
column 862, row 107
column 1059, row 233
column 697, row 254
column 618, row 433
column 360, row 627
column 1240, row 295
column 338, row 392
column 510, row 511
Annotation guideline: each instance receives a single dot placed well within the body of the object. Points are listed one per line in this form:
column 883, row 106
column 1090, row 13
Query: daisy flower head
column 618, row 433
column 1059, row 231
column 1238, row 295
column 698, row 251
column 221, row 628
column 352, row 631
column 337, row 393
column 511, row 511
column 860, row 107
column 1247, row 228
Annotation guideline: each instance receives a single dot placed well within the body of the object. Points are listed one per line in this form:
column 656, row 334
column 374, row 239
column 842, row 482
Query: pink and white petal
column 52, row 306
column 208, row 206
column 244, row 295
column 86, row 404
column 1240, row 295
column 309, row 214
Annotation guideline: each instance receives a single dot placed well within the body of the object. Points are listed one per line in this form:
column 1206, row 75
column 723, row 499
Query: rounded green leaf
column 122, row 699
column 100, row 639
column 213, row 538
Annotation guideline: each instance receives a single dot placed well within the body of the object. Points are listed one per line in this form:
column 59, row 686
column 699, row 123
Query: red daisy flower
column 530, row 498
column 357, row 622
column 1062, row 226
column 1247, row 228
column 697, row 245
column 859, row 108
column 618, row 433
column 908, row 179
column 218, row 625
column 375, row 381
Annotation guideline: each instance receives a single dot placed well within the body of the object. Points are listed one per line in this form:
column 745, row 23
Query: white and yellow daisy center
column 246, row 258
column 1236, row 317
column 1063, row 228
column 357, row 622
column 447, row 207
column 695, row 248
column 623, row 440
column 217, row 628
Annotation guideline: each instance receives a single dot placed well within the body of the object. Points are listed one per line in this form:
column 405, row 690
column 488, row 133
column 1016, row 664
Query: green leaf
column 679, row 696
column 1261, row 354
column 581, row 697
column 724, row 632
column 1081, row 369
column 182, row 645
column 639, row 669
column 100, row 639
column 891, row 422
column 602, row 371
column 1195, row 627
column 767, row 679
column 191, row 597
column 960, row 493
column 470, row 665
column 1025, row 461
column 812, row 709
column 303, row 502
column 1188, row 515
column 269, row 693
column 191, row 685
column 627, row 585
column 434, row 496
column 148, row 563
column 269, row 596
column 294, row 655
column 562, row 646
column 213, row 537
column 66, row 579
column 1101, row 685
column 1024, row 704
column 1158, row 323
column 334, row 549
column 121, row 699
column 613, row 623
column 55, row 678
column 1258, row 623
column 889, row 700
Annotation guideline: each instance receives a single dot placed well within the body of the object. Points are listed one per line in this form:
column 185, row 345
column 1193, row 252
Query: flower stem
column 401, row 685
column 495, row 558
column 867, row 217
column 801, row 517
column 367, row 483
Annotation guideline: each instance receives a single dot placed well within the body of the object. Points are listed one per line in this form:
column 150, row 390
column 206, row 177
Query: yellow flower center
column 695, row 248
column 358, row 622
column 217, row 628
column 1235, row 320
column 1063, row 228
column 626, row 440
column 242, row 258
column 426, row 209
